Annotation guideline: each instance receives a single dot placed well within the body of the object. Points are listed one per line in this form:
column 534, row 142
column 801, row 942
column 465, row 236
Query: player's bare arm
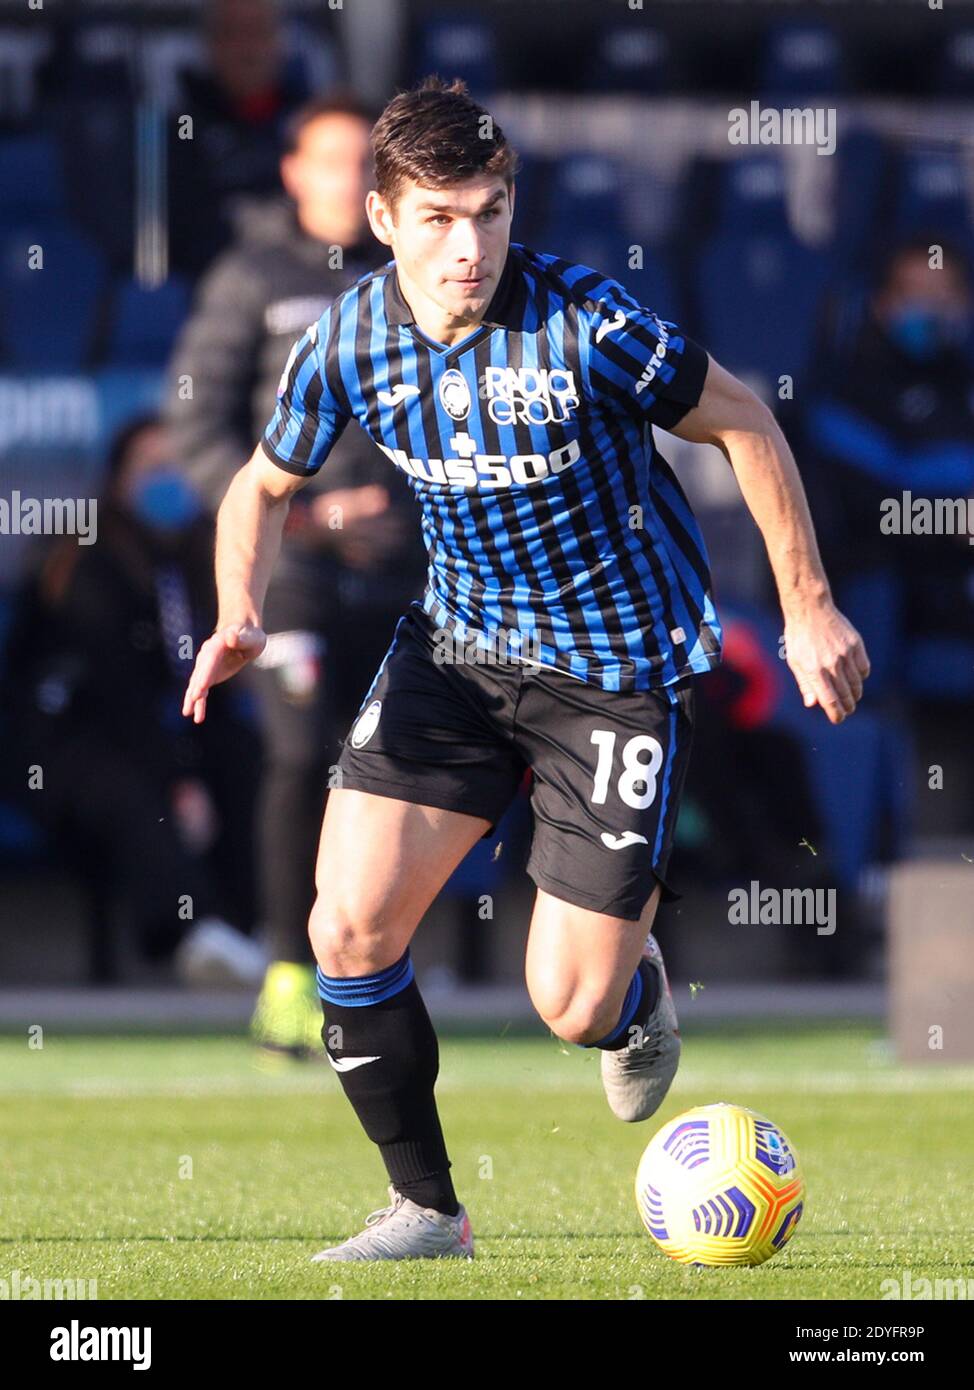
column 249, row 526
column 825, row 653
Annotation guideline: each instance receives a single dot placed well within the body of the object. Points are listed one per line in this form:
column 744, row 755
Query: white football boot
column 637, row 1077
column 405, row 1231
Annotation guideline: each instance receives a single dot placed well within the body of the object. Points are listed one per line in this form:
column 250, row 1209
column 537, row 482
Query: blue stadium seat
column 863, row 188
column 97, row 136
column 530, row 197
column 630, row 58
column 751, row 196
column 459, row 46
column 31, row 178
column 801, row 59
column 124, row 393
column 655, row 287
column 586, row 191
column 48, row 317
column 758, row 297
column 584, row 220
column 932, row 193
column 145, row 322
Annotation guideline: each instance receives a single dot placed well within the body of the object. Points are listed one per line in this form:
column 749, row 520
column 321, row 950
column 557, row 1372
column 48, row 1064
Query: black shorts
column 608, row 769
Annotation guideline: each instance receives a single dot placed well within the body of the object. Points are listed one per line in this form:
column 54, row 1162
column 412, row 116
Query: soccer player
column 567, row 613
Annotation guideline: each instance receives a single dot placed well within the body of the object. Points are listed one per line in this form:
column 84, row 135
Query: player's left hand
column 827, row 657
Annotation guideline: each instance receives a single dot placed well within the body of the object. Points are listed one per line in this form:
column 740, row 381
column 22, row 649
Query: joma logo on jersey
column 529, row 395
column 656, row 361
column 486, row 470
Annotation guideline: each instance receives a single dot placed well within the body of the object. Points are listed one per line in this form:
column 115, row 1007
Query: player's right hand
column 220, row 657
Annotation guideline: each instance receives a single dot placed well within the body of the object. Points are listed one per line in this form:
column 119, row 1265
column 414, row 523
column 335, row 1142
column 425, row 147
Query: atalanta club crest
column 366, row 725
column 455, row 394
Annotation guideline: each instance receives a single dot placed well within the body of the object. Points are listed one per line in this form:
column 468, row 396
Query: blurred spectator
column 96, row 667
column 239, row 107
column 891, row 421
column 337, row 589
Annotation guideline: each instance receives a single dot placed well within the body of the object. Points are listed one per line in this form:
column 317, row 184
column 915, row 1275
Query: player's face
column 450, row 244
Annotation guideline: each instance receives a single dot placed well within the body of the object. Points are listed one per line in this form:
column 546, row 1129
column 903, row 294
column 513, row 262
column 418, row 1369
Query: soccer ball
column 720, row 1185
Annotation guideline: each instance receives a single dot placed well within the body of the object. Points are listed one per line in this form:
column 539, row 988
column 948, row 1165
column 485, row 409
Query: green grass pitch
column 175, row 1168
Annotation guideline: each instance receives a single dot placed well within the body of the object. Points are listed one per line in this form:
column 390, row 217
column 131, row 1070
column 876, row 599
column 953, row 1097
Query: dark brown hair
column 339, row 103
column 437, row 135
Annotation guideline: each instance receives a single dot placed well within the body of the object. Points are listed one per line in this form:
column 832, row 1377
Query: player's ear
column 380, row 217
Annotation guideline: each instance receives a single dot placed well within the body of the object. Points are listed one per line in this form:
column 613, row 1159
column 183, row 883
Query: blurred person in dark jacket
column 351, row 556
column 889, row 428
column 96, row 661
column 239, row 103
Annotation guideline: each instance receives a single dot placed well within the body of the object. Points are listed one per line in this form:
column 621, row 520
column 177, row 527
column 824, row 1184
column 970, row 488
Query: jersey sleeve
column 642, row 363
column 308, row 420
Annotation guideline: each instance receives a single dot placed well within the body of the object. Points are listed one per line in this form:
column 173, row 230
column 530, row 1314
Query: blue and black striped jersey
column 547, row 510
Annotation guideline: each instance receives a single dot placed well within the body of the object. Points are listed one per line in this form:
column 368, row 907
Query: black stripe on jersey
column 676, row 528
column 587, row 548
column 603, row 492
column 573, row 491
column 363, row 359
column 538, row 500
column 301, row 453
column 332, row 366
column 630, row 486
column 508, row 514
column 447, row 505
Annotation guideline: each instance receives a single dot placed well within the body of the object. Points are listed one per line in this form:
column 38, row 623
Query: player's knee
column 583, row 1020
column 344, row 943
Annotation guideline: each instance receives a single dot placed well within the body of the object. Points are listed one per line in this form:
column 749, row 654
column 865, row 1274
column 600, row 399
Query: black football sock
column 380, row 1039
column 641, row 999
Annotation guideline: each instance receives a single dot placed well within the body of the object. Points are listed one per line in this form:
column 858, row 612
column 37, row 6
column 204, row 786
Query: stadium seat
column 584, row 220
column 586, row 191
column 97, row 135
column 932, row 193
column 144, row 322
column 630, row 58
column 48, row 317
column 751, row 196
column 459, row 46
column 801, row 60
column 123, row 393
column 31, row 179
column 531, row 182
column 758, row 297
column 655, row 287
column 24, row 48
column 862, row 192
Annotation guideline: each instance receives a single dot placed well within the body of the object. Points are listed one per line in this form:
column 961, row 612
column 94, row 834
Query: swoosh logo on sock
column 628, row 837
column 350, row 1063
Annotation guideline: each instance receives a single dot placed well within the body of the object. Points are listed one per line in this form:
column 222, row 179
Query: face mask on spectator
column 923, row 330
column 165, row 501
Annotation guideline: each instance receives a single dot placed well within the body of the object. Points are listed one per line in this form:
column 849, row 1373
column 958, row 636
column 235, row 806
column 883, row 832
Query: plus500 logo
column 487, row 470
column 528, row 395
